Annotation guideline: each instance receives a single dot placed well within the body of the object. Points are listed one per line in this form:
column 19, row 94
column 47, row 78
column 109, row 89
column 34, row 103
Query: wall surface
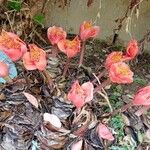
column 103, row 13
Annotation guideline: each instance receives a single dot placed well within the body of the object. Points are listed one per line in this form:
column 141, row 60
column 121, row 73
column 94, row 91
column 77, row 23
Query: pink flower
column 12, row 45
column 4, row 70
column 70, row 48
column 132, row 49
column 56, row 34
column 79, row 95
column 120, row 73
column 35, row 59
column 114, row 57
column 142, row 97
column 104, row 132
column 87, row 30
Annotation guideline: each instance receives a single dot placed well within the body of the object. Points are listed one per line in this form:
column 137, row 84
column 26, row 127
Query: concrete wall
column 71, row 16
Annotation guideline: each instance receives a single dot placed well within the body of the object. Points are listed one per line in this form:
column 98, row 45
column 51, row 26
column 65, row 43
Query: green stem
column 82, row 53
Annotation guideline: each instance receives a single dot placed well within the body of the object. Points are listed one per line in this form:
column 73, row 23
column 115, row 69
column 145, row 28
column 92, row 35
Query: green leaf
column 39, row 19
column 14, row 5
column 139, row 81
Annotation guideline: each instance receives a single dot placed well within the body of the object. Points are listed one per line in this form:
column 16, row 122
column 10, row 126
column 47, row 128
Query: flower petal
column 142, row 97
column 88, row 89
column 29, row 65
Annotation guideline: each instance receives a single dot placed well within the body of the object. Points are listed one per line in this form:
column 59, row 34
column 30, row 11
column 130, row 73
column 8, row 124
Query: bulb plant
column 12, row 45
column 55, row 34
column 87, row 30
column 116, row 70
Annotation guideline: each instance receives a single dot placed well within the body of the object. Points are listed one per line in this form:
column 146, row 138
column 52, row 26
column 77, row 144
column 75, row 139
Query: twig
column 99, row 76
column 105, row 83
column 9, row 21
column 40, row 37
column 107, row 99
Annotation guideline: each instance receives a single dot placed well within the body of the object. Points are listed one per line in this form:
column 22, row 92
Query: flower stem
column 100, row 75
column 66, row 66
column 122, row 109
column 105, row 83
column 82, row 53
column 48, row 77
column 54, row 51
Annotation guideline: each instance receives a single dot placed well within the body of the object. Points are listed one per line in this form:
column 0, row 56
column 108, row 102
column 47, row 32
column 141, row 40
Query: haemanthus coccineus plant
column 116, row 68
column 35, row 58
column 141, row 98
column 12, row 45
column 55, row 35
column 80, row 94
column 71, row 48
column 87, row 30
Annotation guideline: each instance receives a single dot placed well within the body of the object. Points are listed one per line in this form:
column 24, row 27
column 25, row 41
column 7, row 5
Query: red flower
column 12, row 45
column 142, row 97
column 35, row 59
column 114, row 57
column 88, row 31
column 79, row 95
column 56, row 34
column 70, row 48
column 104, row 132
column 120, row 73
column 132, row 49
column 4, row 70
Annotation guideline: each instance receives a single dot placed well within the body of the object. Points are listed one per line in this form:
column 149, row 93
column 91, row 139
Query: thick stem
column 105, row 83
column 48, row 77
column 66, row 66
column 54, row 51
column 122, row 109
column 82, row 53
column 100, row 75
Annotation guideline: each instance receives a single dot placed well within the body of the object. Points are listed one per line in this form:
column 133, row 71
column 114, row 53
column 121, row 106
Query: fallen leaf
column 31, row 99
column 52, row 119
column 77, row 145
column 104, row 132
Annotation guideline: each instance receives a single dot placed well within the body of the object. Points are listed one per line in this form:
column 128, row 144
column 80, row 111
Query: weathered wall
column 71, row 16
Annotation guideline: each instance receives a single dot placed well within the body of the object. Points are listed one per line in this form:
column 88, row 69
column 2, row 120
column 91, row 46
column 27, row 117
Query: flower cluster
column 33, row 57
column 119, row 71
